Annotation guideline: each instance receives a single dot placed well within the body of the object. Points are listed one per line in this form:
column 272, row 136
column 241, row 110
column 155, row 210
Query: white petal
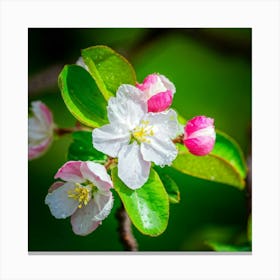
column 132, row 92
column 97, row 174
column 126, row 109
column 62, row 206
column 88, row 218
column 133, row 170
column 103, row 204
column 42, row 113
column 81, row 63
column 36, row 133
column 161, row 151
column 168, row 84
column 109, row 139
column 82, row 221
column 164, row 124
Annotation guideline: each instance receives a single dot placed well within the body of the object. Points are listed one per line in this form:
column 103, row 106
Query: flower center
column 142, row 131
column 82, row 193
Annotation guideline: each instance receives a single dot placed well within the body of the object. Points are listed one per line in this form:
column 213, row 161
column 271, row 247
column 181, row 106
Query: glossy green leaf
column 221, row 247
column 82, row 97
column 108, row 68
column 82, row 149
column 171, row 187
column 227, row 148
column 148, row 206
column 223, row 165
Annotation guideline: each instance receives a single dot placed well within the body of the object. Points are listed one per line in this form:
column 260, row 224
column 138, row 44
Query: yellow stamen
column 80, row 193
column 141, row 132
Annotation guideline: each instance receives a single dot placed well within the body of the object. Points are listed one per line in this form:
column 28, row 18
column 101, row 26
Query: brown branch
column 126, row 236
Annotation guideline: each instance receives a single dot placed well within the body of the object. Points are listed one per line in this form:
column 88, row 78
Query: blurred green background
column 211, row 69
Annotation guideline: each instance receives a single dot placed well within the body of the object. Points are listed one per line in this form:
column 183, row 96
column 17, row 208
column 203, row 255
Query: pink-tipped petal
column 149, row 81
column 158, row 91
column 200, row 146
column 70, row 172
column 169, row 85
column 160, row 101
column 40, row 130
column 200, row 135
column 38, row 150
column 55, row 186
column 42, row 113
column 197, row 123
column 97, row 174
column 46, row 113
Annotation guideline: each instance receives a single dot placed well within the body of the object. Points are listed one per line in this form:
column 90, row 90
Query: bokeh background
column 211, row 69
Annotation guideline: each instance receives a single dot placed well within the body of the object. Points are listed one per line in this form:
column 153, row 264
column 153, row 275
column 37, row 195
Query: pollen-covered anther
column 141, row 132
column 80, row 193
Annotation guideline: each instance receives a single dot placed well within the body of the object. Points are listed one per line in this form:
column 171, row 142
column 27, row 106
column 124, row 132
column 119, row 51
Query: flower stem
column 60, row 131
column 179, row 139
column 126, row 236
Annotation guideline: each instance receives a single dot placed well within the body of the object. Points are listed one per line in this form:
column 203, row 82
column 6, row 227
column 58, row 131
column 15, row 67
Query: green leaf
column 109, row 69
column 221, row 247
column 148, row 206
column 82, row 96
column 82, row 149
column 225, row 164
column 228, row 149
column 171, row 187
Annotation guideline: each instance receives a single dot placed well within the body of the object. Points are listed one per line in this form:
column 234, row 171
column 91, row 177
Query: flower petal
column 88, row 218
column 38, row 150
column 97, row 174
column 168, row 84
column 200, row 135
column 42, row 113
column 82, row 221
column 197, row 123
column 40, row 129
column 110, row 138
column 61, row 206
column 161, row 151
column 164, row 124
column 132, row 92
column 200, row 146
column 36, row 132
column 81, row 63
column 127, row 109
column 103, row 202
column 160, row 101
column 154, row 84
column 133, row 170
column 70, row 172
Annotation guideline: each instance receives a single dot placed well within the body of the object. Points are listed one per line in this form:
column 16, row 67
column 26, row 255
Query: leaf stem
column 126, row 236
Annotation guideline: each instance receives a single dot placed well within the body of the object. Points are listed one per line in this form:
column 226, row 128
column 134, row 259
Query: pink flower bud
column 40, row 130
column 200, row 135
column 159, row 92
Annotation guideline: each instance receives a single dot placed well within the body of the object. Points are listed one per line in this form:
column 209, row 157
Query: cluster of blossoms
column 140, row 132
